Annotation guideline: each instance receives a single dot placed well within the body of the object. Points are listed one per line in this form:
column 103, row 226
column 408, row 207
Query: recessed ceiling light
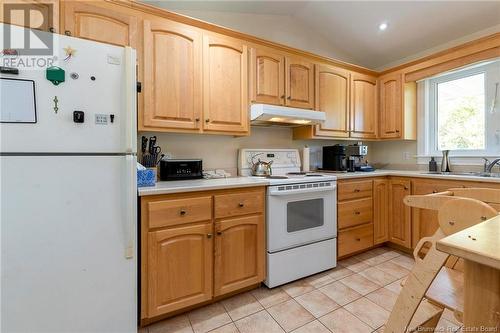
column 382, row 26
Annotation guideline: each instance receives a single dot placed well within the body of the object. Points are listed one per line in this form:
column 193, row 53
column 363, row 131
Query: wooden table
column 479, row 246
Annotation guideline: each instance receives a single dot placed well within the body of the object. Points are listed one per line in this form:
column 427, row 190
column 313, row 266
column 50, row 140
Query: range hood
column 273, row 115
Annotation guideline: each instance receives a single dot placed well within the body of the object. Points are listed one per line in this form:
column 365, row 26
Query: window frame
column 429, row 132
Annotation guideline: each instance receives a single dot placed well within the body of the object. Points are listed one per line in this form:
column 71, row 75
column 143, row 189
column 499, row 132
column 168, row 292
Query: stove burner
column 277, row 177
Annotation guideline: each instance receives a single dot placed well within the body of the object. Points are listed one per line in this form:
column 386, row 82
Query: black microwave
column 176, row 169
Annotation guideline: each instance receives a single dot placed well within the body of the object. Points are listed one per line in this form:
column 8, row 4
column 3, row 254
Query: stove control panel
column 284, row 160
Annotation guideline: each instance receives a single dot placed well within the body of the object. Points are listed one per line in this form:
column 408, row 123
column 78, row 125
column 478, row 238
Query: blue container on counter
column 146, row 177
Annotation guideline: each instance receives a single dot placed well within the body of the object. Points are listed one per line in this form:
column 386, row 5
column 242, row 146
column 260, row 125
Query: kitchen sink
column 473, row 174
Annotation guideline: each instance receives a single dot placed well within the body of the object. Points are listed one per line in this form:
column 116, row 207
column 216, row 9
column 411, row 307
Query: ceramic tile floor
column 355, row 297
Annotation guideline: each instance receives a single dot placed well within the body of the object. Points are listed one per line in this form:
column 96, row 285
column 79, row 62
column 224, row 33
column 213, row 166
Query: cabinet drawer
column 354, row 190
column 177, row 211
column 240, row 203
column 355, row 239
column 354, row 212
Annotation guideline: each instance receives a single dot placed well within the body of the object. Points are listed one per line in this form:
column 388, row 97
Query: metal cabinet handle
column 182, row 212
column 197, row 119
column 209, row 235
column 358, row 239
column 51, row 29
column 357, row 213
column 397, row 131
column 241, row 204
column 282, row 96
column 207, row 120
column 406, row 187
column 357, row 190
column 289, row 97
column 219, row 233
column 67, row 33
column 434, row 191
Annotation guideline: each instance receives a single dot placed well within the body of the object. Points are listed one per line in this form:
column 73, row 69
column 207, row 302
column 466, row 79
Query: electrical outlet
column 406, row 155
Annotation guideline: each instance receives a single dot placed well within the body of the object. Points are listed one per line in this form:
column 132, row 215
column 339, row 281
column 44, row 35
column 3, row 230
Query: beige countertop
column 415, row 174
column 479, row 243
column 191, row 185
column 180, row 186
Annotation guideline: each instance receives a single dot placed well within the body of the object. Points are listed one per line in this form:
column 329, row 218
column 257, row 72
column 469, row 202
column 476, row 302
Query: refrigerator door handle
column 130, row 101
column 129, row 208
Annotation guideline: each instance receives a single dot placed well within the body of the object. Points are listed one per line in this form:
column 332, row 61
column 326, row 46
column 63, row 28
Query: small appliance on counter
column 181, row 169
column 334, row 158
column 346, row 158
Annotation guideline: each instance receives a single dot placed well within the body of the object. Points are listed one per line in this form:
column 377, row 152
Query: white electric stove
column 301, row 216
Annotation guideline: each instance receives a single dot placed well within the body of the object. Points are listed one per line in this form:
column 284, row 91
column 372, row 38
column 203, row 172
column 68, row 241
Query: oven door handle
column 302, row 190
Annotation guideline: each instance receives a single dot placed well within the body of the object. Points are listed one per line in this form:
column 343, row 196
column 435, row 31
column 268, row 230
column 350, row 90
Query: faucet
column 490, row 166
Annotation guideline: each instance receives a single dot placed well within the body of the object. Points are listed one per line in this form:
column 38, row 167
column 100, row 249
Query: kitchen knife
column 152, row 143
column 144, row 144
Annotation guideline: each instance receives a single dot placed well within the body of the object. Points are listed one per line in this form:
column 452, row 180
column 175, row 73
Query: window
column 462, row 112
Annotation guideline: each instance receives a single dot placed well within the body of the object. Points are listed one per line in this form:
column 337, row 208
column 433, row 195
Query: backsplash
column 221, row 152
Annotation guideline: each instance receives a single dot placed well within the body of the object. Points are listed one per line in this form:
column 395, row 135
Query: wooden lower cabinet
column 380, row 210
column 355, row 239
column 179, row 267
column 399, row 213
column 239, row 253
column 189, row 256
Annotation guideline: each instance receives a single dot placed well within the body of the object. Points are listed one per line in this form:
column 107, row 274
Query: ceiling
column 352, row 26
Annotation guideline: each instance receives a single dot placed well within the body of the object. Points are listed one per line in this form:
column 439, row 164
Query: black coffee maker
column 334, row 158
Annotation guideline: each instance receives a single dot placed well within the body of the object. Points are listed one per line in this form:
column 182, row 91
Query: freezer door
column 100, row 81
column 68, row 250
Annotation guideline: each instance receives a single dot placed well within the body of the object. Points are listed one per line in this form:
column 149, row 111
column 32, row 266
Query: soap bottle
column 433, row 167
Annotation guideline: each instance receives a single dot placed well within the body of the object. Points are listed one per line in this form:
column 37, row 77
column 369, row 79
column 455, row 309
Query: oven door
column 300, row 214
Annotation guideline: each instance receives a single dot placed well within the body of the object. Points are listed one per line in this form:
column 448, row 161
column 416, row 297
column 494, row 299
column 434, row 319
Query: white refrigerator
column 68, row 205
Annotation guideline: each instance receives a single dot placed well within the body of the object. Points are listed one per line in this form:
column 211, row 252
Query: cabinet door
column 391, row 106
column 399, row 213
column 363, row 106
column 239, row 253
column 172, row 75
column 299, row 83
column 225, row 84
column 267, row 77
column 35, row 14
column 179, row 268
column 332, row 97
column 101, row 22
column 380, row 210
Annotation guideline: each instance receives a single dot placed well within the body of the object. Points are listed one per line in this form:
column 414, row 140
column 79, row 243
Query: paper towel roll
column 305, row 159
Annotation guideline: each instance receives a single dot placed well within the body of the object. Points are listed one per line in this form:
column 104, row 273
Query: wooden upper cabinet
column 267, row 77
column 391, row 106
column 225, row 84
column 35, row 14
column 380, row 210
column 399, row 213
column 299, row 83
column 179, row 268
column 239, row 253
column 101, row 22
column 172, row 75
column 363, row 106
column 332, row 97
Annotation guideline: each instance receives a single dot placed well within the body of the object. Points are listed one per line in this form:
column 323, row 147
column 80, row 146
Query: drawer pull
column 182, row 212
column 209, row 235
column 241, row 204
column 356, row 190
column 434, row 191
column 358, row 239
column 67, row 33
column 357, row 213
column 219, row 233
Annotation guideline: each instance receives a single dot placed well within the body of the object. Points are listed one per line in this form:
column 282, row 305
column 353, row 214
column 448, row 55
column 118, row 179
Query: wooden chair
column 436, row 281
